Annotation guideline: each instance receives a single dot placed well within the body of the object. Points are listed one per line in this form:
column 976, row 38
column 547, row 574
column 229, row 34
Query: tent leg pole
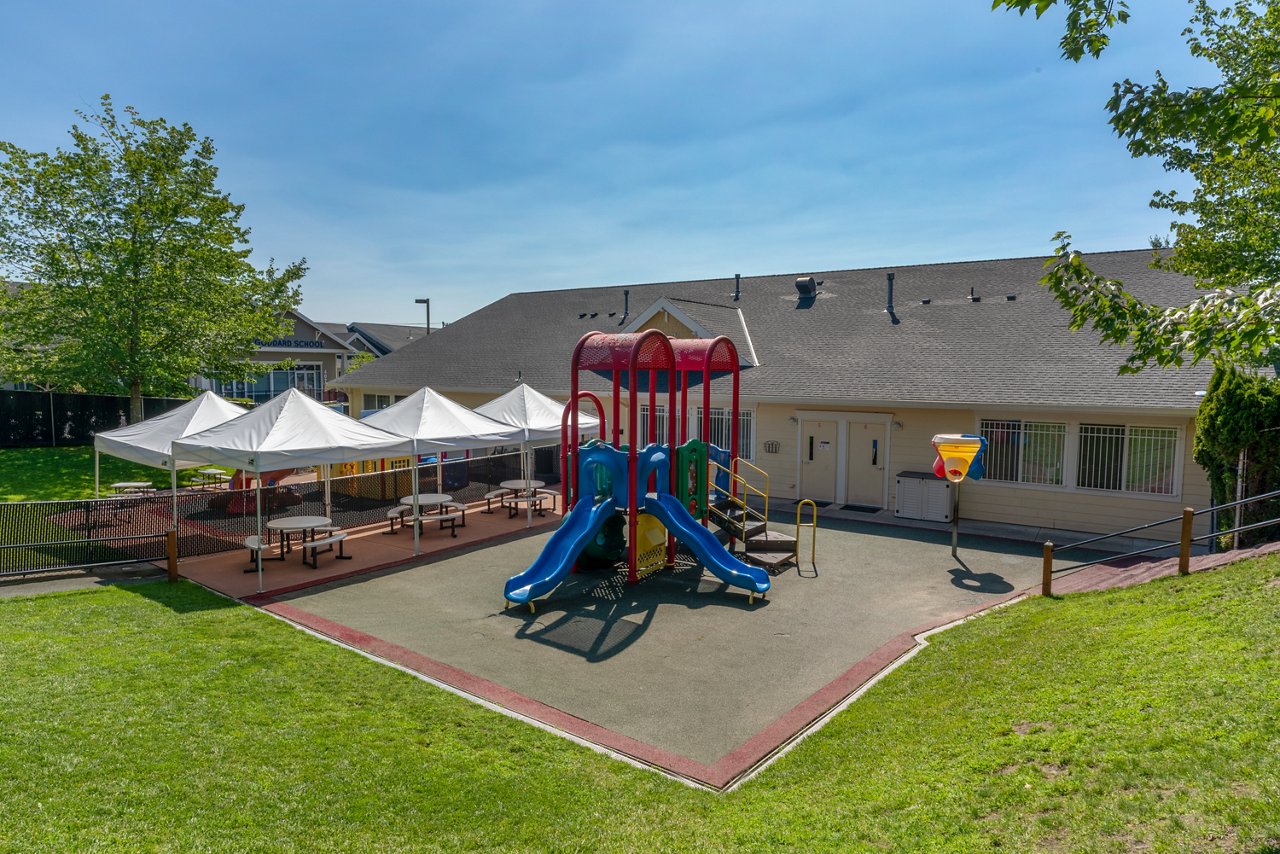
column 528, row 487
column 417, row 508
column 328, row 494
column 259, row 503
column 173, row 488
column 96, row 476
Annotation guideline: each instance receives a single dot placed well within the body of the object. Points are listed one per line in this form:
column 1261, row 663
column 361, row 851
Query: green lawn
column 49, row 474
column 159, row 715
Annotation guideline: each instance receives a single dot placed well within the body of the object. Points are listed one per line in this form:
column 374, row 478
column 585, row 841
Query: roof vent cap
column 973, row 297
column 1010, row 297
column 807, row 286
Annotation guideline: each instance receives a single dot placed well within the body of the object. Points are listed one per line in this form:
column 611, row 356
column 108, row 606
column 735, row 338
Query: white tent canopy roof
column 289, row 431
column 147, row 442
column 533, row 413
column 440, row 424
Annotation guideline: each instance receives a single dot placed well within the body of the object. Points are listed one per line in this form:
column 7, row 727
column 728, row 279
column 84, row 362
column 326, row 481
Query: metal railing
column 738, row 502
column 48, row 536
column 1183, row 543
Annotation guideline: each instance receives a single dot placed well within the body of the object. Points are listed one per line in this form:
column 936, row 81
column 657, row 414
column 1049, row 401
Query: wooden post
column 171, row 552
column 1184, row 551
column 1046, row 571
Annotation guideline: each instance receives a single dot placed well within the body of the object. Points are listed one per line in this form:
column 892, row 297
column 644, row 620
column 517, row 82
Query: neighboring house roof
column 337, row 330
column 387, row 337
column 840, row 348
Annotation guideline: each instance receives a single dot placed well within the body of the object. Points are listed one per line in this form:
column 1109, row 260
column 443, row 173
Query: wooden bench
column 500, row 495
column 395, row 513
column 255, row 545
column 314, row 546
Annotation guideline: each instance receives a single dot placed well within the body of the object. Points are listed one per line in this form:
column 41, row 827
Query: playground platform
column 678, row 671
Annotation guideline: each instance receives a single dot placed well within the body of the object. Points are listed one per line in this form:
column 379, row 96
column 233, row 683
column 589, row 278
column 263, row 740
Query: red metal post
column 617, row 410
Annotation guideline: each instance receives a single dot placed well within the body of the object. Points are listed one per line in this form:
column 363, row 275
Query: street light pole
column 427, row 303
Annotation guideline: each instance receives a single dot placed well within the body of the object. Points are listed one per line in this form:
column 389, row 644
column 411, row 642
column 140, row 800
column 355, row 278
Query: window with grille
column 1130, row 459
column 1025, row 451
column 643, row 424
column 721, row 429
column 376, row 401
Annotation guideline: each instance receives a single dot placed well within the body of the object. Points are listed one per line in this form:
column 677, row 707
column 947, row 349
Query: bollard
column 1184, row 551
column 1046, row 571
column 171, row 552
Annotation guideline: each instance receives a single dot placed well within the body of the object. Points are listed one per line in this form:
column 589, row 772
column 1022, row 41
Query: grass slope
column 52, row 474
column 161, row 716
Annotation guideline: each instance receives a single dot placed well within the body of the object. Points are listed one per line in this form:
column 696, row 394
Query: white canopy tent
column 535, row 414
column 437, row 424
column 148, row 442
column 289, row 431
column 537, row 418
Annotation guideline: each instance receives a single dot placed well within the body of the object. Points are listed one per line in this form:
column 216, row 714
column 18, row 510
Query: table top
column 427, row 498
column 132, row 484
column 209, row 471
column 522, row 484
column 299, row 523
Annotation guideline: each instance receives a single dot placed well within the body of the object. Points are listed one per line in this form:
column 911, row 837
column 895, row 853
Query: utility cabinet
column 922, row 495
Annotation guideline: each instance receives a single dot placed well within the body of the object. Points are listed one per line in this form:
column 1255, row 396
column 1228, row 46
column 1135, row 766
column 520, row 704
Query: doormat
column 861, row 508
column 816, row 503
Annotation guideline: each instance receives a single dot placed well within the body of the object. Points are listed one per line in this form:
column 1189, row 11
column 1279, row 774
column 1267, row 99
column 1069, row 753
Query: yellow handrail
column 813, row 523
column 737, row 501
column 740, row 461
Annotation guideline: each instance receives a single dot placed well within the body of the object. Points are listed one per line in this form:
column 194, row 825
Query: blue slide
column 560, row 553
column 711, row 552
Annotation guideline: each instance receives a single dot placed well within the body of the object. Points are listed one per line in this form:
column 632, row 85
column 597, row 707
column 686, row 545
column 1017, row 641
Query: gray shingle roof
column 389, row 336
column 842, row 348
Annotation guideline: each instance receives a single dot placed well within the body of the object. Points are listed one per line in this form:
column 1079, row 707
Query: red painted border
column 719, row 775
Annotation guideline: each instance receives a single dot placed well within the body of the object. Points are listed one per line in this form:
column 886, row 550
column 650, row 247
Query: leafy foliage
column 131, row 266
column 1087, row 22
column 1238, row 417
column 1224, row 136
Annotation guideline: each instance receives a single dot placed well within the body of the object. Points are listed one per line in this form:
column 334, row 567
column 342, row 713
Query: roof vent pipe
column 889, row 300
column 973, row 297
column 737, row 286
column 626, row 305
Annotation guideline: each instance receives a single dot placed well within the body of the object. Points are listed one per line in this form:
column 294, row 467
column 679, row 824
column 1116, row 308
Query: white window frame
column 746, row 449
column 1024, row 434
column 1071, row 454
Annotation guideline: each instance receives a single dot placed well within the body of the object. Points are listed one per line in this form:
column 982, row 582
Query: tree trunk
column 135, row 401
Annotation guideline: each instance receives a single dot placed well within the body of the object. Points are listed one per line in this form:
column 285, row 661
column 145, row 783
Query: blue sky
column 464, row 150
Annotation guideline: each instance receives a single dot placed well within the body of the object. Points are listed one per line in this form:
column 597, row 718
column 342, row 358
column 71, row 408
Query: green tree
column 1226, row 234
column 130, row 268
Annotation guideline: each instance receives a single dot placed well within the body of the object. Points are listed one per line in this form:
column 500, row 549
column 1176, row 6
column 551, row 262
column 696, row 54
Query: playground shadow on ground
column 597, row 615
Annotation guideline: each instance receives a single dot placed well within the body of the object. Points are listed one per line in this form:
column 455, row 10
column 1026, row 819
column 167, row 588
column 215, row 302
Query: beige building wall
column 909, row 434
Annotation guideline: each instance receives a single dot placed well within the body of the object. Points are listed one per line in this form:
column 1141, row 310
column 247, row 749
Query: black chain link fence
column 42, row 536
column 31, row 419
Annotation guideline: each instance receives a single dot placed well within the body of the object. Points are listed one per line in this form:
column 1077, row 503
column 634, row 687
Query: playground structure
column 960, row 456
column 660, row 493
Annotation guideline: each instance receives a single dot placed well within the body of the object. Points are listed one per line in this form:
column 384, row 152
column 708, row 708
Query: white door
column 818, row 454
column 866, row 458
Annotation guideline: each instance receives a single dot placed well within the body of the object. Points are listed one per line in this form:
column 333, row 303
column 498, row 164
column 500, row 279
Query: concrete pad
column 679, row 662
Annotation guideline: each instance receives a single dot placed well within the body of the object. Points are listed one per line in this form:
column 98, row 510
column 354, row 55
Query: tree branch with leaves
column 1226, row 235
column 129, row 268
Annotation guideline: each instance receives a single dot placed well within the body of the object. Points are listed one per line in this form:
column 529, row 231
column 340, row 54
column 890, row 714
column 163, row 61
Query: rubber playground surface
column 678, row 671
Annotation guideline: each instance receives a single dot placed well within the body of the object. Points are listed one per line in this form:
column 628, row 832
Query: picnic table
column 133, row 487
